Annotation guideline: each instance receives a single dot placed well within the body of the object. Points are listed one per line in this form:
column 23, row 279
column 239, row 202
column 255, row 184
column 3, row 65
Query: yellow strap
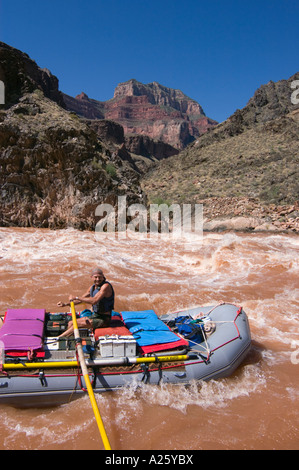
column 41, row 365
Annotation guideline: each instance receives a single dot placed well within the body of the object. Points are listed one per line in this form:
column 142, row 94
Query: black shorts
column 100, row 321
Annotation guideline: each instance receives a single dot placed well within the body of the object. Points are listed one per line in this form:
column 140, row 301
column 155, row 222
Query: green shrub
column 110, row 170
column 159, row 200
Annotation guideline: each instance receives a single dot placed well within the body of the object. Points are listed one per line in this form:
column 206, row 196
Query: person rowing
column 101, row 298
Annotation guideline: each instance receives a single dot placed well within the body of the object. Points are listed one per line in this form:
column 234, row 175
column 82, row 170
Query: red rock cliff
column 151, row 110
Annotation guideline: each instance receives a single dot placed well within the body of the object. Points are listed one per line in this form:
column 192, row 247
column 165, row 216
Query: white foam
column 215, row 394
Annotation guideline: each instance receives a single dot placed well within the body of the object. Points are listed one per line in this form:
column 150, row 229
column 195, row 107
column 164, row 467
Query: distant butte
column 161, row 113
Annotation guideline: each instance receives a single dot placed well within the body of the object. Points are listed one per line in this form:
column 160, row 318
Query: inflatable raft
column 39, row 369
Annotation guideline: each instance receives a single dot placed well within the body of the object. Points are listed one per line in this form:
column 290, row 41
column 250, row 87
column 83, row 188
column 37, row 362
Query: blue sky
column 217, row 52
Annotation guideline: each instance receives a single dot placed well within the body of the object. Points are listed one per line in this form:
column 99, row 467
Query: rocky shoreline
column 249, row 215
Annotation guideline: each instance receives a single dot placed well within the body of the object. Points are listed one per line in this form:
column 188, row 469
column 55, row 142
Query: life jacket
column 107, row 303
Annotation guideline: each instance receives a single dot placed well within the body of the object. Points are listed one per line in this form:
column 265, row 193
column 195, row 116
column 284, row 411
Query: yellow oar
column 121, row 361
column 87, row 381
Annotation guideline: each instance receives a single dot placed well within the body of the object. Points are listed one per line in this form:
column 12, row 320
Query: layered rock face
column 152, row 110
column 55, row 169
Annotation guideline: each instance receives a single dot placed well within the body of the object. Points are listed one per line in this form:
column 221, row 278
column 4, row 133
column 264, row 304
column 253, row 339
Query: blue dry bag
column 191, row 329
